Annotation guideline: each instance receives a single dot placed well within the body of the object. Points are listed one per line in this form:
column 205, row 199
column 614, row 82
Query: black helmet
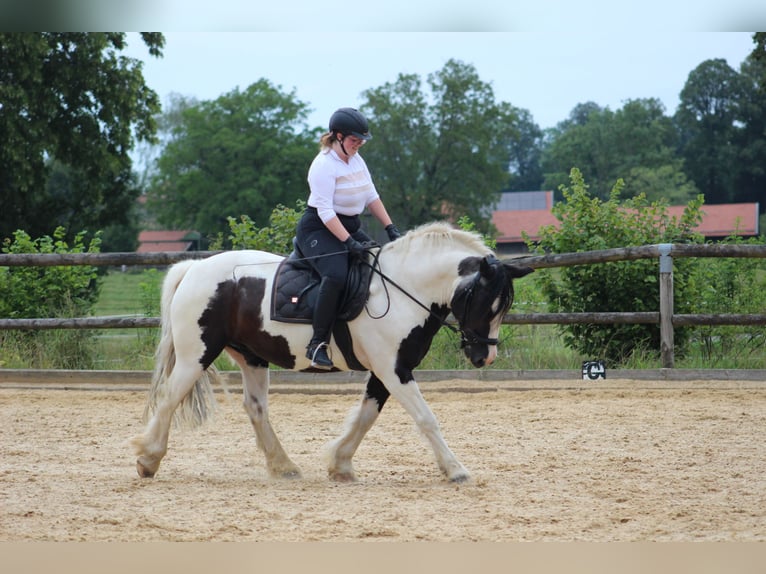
column 350, row 121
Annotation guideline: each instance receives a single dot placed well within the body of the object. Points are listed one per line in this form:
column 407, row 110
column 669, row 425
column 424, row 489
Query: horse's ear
column 517, row 271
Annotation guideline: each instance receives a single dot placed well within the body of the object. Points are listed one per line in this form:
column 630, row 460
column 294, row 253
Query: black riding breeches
column 325, row 252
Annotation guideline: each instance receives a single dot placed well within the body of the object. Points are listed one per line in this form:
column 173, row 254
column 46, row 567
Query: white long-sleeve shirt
column 337, row 187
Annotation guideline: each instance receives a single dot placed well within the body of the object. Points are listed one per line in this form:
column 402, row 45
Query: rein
column 467, row 336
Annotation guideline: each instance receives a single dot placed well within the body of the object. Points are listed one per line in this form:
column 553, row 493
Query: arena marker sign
column 592, row 370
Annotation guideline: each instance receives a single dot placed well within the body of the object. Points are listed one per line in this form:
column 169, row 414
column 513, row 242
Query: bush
column 41, row 292
column 48, row 291
column 588, row 224
column 730, row 285
column 277, row 237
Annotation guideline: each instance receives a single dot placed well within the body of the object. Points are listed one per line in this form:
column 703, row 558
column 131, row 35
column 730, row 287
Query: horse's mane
column 439, row 232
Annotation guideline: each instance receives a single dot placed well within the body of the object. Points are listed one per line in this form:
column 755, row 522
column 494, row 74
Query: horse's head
column 483, row 295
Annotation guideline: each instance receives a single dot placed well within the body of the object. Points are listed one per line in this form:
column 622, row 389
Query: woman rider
column 329, row 231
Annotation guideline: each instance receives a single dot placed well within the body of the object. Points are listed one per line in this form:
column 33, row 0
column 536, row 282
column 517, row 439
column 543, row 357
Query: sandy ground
column 589, row 465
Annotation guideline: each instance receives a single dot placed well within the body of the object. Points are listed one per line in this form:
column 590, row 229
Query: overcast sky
column 544, row 72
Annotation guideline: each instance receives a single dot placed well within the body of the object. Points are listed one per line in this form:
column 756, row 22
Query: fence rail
column 664, row 317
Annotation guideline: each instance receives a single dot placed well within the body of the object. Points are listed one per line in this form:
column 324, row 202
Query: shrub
column 587, row 224
column 277, row 237
column 41, row 292
column 48, row 291
column 730, row 285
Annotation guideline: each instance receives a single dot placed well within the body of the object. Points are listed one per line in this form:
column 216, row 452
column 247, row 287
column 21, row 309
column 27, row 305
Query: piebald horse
column 222, row 303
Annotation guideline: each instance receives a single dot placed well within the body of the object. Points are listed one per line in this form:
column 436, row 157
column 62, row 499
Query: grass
column 127, row 293
column 121, row 293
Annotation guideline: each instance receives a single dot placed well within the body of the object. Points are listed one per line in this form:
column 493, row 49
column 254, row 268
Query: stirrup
column 318, row 355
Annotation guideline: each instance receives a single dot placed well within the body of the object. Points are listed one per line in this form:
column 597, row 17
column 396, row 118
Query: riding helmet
column 350, row 121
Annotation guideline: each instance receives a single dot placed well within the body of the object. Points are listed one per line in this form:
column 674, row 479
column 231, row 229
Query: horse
column 222, row 303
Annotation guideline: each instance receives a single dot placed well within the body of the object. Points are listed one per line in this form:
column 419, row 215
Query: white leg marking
column 153, row 444
column 255, row 381
column 413, row 402
column 341, row 450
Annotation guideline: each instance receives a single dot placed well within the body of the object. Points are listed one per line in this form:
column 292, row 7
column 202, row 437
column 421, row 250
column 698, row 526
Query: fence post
column 666, row 305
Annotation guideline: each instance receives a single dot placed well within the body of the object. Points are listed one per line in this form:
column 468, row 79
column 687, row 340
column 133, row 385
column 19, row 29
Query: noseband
column 469, row 336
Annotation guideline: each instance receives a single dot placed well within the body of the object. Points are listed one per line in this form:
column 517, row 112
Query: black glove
column 393, row 232
column 355, row 248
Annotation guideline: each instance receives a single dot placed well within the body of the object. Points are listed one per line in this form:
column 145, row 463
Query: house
column 157, row 241
column 528, row 211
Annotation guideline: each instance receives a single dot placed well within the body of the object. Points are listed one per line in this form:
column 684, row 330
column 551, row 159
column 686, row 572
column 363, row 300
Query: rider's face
column 352, row 144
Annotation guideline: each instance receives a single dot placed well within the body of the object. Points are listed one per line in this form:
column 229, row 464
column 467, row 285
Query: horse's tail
column 199, row 403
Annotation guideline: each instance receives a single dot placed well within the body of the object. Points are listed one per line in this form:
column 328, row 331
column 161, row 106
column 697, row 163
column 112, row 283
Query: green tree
column 588, row 223
column 667, row 182
column 525, row 153
column 708, row 116
column 750, row 137
column 636, row 143
column 70, row 105
column 441, row 153
column 240, row 154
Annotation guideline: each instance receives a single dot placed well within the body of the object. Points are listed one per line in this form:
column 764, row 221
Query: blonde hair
column 326, row 141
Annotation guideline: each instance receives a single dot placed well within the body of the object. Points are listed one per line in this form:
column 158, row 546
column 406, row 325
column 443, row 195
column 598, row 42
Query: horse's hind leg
column 153, row 444
column 341, row 450
column 256, row 401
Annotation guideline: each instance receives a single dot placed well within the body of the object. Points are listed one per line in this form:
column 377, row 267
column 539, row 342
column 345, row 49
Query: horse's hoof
column 460, row 479
column 346, row 477
column 291, row 474
column 144, row 472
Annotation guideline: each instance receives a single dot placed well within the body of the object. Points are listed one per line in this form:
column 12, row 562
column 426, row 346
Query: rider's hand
column 355, row 248
column 393, row 232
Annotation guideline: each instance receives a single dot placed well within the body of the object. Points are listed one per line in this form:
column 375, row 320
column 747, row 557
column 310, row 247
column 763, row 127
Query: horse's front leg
column 340, row 451
column 403, row 388
column 255, row 382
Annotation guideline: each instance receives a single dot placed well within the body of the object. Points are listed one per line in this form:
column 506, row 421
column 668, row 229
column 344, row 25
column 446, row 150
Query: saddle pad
column 294, row 292
column 296, row 286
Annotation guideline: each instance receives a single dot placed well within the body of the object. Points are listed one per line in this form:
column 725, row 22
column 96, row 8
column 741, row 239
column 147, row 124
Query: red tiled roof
column 725, row 219
column 158, row 241
column 717, row 221
column 510, row 224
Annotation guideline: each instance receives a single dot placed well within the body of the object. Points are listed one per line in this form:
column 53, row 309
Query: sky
column 547, row 73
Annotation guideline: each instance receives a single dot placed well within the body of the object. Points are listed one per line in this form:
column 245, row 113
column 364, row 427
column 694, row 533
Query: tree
column 241, row 154
column 636, row 143
column 707, row 117
column 750, row 136
column 441, row 154
column 667, row 182
column 72, row 106
column 525, row 153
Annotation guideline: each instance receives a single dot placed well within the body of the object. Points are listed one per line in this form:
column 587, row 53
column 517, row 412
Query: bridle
column 467, row 336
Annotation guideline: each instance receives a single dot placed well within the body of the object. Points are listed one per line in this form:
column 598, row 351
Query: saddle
column 296, row 286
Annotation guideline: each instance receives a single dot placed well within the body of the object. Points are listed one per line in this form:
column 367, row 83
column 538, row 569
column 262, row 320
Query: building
column 158, row 241
column 528, row 211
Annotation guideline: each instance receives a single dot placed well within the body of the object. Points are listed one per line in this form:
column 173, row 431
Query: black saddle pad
column 296, row 286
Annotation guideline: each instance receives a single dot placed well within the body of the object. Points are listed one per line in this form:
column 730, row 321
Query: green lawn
column 128, row 293
column 123, row 294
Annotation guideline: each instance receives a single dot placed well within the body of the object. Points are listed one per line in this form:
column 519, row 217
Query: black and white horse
column 223, row 304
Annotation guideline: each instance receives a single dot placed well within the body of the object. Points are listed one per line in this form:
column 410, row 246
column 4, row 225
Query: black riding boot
column 324, row 316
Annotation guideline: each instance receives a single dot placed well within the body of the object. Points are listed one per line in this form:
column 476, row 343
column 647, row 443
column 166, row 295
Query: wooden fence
column 665, row 316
